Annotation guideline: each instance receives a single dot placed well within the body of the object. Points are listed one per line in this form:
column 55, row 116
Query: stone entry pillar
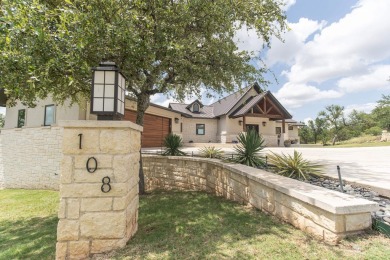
column 99, row 187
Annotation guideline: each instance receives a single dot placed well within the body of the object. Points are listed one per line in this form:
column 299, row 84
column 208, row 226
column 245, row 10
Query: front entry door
column 252, row 127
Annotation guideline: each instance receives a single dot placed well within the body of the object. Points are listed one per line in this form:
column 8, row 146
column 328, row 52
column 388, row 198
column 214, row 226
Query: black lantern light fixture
column 108, row 92
column 264, row 123
column 176, row 120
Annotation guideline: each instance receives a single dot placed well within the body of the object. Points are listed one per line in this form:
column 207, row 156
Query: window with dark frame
column 290, row 127
column 49, row 115
column 200, row 129
column 21, row 118
column 278, row 130
column 195, row 107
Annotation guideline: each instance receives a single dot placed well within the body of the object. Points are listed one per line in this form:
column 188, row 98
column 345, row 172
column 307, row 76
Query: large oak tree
column 162, row 46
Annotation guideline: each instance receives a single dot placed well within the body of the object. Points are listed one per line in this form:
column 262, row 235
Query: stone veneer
column 30, row 157
column 91, row 221
column 324, row 214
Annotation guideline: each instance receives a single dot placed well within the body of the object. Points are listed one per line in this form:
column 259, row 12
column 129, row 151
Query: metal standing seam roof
column 249, row 105
column 205, row 112
column 224, row 105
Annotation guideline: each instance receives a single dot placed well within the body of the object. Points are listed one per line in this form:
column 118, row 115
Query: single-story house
column 220, row 122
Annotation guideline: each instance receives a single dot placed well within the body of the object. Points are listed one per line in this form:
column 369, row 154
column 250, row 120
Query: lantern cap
column 106, row 65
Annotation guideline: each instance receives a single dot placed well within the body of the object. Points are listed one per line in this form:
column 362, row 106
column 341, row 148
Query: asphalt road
column 369, row 166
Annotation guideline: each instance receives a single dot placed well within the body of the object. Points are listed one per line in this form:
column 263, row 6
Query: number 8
column 106, row 187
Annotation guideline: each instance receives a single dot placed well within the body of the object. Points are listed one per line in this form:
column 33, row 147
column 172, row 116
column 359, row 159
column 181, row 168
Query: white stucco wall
column 30, row 157
column 35, row 116
column 189, row 130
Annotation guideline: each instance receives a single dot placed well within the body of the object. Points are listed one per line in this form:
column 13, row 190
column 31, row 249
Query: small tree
column 334, row 114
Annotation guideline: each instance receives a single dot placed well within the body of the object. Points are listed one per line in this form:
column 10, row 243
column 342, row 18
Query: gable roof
column 252, row 101
column 196, row 101
column 245, row 108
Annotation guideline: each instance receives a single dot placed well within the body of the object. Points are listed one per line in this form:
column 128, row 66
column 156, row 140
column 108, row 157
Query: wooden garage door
column 155, row 128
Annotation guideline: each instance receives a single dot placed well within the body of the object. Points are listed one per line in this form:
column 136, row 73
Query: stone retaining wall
column 30, row 157
column 327, row 215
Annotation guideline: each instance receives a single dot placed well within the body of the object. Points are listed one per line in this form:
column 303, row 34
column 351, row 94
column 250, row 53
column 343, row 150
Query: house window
column 21, row 117
column 278, row 130
column 49, row 115
column 290, row 127
column 200, row 129
column 195, row 107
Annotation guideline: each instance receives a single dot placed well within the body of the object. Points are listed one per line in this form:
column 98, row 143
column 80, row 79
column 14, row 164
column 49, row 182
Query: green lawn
column 176, row 225
column 28, row 224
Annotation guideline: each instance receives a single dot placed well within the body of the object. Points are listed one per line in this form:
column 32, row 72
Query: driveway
column 364, row 165
column 369, row 166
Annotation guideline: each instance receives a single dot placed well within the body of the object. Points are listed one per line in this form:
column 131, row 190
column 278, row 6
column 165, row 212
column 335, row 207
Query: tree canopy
column 161, row 46
column 332, row 121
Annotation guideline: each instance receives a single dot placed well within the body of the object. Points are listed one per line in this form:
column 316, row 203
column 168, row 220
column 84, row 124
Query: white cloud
column 375, row 78
column 346, row 47
column 247, row 40
column 367, row 108
column 288, row 4
column 307, row 119
column 295, row 95
column 294, row 41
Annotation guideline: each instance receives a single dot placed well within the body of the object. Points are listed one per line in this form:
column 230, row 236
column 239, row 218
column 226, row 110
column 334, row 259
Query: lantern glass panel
column 108, row 105
column 109, row 91
column 98, row 90
column 99, row 77
column 98, row 104
column 110, row 77
column 119, row 107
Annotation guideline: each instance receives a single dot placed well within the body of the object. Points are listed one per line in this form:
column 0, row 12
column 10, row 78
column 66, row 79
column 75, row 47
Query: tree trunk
column 334, row 139
column 143, row 102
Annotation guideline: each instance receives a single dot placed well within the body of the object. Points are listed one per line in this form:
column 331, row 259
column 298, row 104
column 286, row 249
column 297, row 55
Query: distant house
column 220, row 122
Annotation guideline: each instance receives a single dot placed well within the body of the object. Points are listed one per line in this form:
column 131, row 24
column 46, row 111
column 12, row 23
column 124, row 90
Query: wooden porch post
column 283, row 126
column 243, row 123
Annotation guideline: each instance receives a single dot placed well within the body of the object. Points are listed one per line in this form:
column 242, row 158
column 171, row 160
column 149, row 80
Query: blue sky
column 337, row 52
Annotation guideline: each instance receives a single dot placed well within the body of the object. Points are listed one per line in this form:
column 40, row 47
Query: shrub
column 210, row 152
column 172, row 144
column 247, row 149
column 294, row 166
column 287, row 143
column 375, row 130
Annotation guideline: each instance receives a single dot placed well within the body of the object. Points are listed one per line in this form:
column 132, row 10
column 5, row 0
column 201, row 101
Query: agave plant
column 250, row 144
column 210, row 152
column 172, row 144
column 294, row 166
